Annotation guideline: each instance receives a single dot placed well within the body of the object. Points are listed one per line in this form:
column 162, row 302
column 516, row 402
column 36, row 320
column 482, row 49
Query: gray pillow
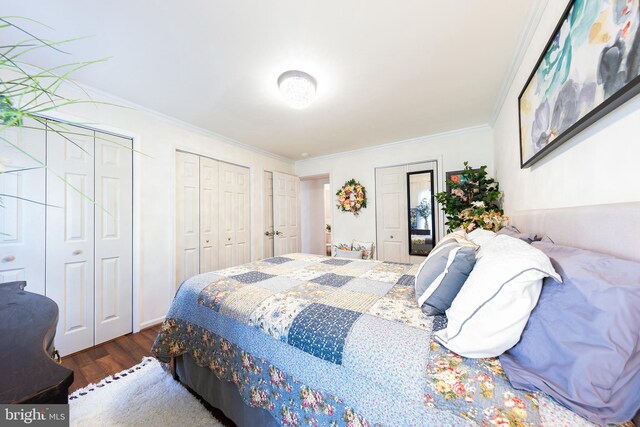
column 442, row 275
column 581, row 345
column 512, row 231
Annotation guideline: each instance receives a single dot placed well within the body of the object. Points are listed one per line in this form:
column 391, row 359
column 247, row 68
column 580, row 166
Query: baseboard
column 152, row 322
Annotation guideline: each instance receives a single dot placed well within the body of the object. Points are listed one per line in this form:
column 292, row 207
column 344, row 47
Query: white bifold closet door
column 212, row 215
column 187, row 216
column 70, row 237
column 286, row 213
column 22, row 214
column 89, row 237
column 235, row 235
column 113, row 236
column 208, row 214
column 268, row 214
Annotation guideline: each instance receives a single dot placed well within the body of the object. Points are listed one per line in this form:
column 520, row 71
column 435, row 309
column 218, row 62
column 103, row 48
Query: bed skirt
column 220, row 394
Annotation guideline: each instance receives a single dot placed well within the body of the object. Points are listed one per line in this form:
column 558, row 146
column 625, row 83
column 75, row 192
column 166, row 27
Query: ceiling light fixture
column 297, row 87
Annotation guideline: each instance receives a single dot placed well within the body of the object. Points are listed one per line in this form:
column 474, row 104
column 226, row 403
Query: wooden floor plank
column 78, row 376
column 132, row 347
column 118, row 354
column 92, row 365
column 151, row 334
column 142, row 341
column 93, row 372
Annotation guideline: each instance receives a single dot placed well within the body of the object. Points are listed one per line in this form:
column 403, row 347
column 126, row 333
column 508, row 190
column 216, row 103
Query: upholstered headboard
column 613, row 229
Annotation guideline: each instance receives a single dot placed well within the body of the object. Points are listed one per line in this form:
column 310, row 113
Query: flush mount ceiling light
column 297, row 87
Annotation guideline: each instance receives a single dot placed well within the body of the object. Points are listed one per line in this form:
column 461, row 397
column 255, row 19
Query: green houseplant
column 473, row 202
column 28, row 93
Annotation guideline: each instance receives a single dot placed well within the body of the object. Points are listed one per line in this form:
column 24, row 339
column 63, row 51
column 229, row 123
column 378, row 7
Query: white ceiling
column 386, row 70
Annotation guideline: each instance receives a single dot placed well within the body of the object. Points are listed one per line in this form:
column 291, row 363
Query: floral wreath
column 352, row 197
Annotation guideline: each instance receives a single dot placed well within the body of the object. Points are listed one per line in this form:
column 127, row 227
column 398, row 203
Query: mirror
column 421, row 218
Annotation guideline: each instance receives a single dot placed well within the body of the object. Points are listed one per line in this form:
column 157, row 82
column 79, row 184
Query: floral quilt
column 330, row 341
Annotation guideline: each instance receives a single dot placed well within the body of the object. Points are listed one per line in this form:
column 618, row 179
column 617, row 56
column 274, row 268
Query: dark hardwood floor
column 92, row 365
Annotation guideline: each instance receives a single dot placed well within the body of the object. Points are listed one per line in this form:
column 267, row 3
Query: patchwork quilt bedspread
column 299, row 327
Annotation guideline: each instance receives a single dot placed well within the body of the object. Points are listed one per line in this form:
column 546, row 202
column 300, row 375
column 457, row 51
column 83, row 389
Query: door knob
column 207, row 241
column 229, row 238
column 8, row 258
column 279, row 233
column 392, row 237
column 76, row 252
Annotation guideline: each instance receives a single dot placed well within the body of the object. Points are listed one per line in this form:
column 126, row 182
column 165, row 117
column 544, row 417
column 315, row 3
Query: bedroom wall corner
column 449, row 149
column 595, row 167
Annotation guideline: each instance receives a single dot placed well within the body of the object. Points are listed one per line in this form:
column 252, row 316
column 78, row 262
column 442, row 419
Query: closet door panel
column 228, row 256
column 70, row 237
column 391, row 214
column 187, row 216
column 22, row 222
column 243, row 210
column 286, row 213
column 235, row 234
column 268, row 214
column 113, row 237
column 209, row 213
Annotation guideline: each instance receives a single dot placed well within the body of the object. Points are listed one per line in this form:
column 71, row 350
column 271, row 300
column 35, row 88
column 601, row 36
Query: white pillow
column 342, row 253
column 480, row 236
column 489, row 313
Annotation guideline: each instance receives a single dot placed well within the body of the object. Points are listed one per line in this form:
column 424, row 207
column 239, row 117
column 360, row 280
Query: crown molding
column 524, row 40
column 424, row 138
column 180, row 123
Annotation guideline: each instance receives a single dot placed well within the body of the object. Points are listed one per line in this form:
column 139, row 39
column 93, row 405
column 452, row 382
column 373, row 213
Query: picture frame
column 457, row 176
column 589, row 67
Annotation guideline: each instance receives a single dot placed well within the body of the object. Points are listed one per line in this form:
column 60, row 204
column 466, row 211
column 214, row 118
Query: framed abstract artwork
column 457, row 177
column 590, row 66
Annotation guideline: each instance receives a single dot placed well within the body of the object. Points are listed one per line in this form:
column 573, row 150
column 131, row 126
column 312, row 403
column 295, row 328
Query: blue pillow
column 441, row 276
column 581, row 345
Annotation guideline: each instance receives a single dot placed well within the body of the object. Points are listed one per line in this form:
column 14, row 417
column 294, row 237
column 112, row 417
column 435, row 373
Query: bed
column 311, row 340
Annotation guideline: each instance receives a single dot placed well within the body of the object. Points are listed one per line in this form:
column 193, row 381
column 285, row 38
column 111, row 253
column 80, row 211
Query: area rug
column 144, row 395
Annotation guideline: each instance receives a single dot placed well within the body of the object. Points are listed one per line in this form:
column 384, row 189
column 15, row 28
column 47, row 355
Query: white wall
column 598, row 166
column 450, row 149
column 312, row 215
column 158, row 137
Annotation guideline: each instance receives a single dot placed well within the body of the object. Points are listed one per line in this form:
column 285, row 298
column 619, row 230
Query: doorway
column 315, row 219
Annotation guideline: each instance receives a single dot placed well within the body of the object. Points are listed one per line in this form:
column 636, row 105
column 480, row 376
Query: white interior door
column 113, row 237
column 70, row 237
column 391, row 214
column 286, row 213
column 268, row 214
column 22, row 222
column 234, row 225
column 208, row 214
column 187, row 216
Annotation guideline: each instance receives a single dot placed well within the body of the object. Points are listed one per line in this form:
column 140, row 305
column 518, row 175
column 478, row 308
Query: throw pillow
column 366, row 248
column 441, row 276
column 491, row 310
